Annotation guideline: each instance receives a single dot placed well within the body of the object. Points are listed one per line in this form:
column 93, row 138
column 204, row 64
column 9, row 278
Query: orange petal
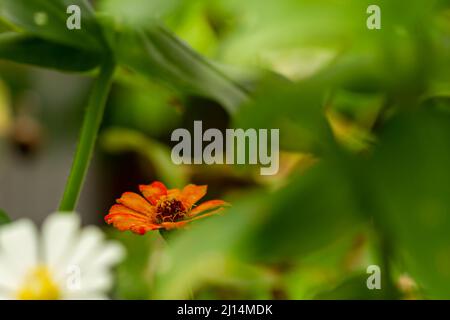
column 119, row 208
column 173, row 193
column 211, row 205
column 135, row 223
column 137, row 203
column 173, row 225
column 192, row 193
column 153, row 192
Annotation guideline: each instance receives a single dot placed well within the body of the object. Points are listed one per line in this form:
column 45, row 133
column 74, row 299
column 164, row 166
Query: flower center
column 38, row 285
column 170, row 210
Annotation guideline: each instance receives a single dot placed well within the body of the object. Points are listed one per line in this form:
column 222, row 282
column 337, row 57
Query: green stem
column 89, row 131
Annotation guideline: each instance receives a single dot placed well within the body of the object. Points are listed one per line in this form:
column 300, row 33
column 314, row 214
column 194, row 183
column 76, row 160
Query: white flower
column 63, row 263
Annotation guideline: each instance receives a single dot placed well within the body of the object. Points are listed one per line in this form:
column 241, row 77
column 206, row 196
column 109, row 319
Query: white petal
column 95, row 273
column 95, row 281
column 5, row 295
column 59, row 235
column 85, row 281
column 88, row 246
column 86, row 295
column 18, row 245
column 9, row 279
column 111, row 254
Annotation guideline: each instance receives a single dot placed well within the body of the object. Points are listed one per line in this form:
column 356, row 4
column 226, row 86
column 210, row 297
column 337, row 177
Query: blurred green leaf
column 158, row 54
column 18, row 48
column 196, row 23
column 145, row 106
column 4, row 218
column 139, row 13
column 296, row 109
column 268, row 32
column 47, row 19
column 325, row 269
column 353, row 288
column 410, row 195
column 314, row 210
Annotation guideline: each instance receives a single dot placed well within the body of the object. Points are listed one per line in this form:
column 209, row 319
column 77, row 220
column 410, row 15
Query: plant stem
column 88, row 136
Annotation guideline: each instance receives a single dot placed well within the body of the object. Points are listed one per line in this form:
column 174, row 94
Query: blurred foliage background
column 364, row 119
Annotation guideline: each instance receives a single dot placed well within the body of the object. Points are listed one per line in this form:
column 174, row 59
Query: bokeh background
column 365, row 136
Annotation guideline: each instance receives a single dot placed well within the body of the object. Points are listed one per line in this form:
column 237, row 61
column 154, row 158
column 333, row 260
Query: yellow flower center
column 38, row 285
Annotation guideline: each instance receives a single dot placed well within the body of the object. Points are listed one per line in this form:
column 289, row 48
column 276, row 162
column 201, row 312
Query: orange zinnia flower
column 161, row 208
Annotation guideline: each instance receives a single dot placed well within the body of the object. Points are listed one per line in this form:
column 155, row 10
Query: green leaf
column 47, row 19
column 144, row 106
column 158, row 54
column 313, row 211
column 410, row 194
column 138, row 12
column 296, row 109
column 18, row 48
column 4, row 218
column 353, row 288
